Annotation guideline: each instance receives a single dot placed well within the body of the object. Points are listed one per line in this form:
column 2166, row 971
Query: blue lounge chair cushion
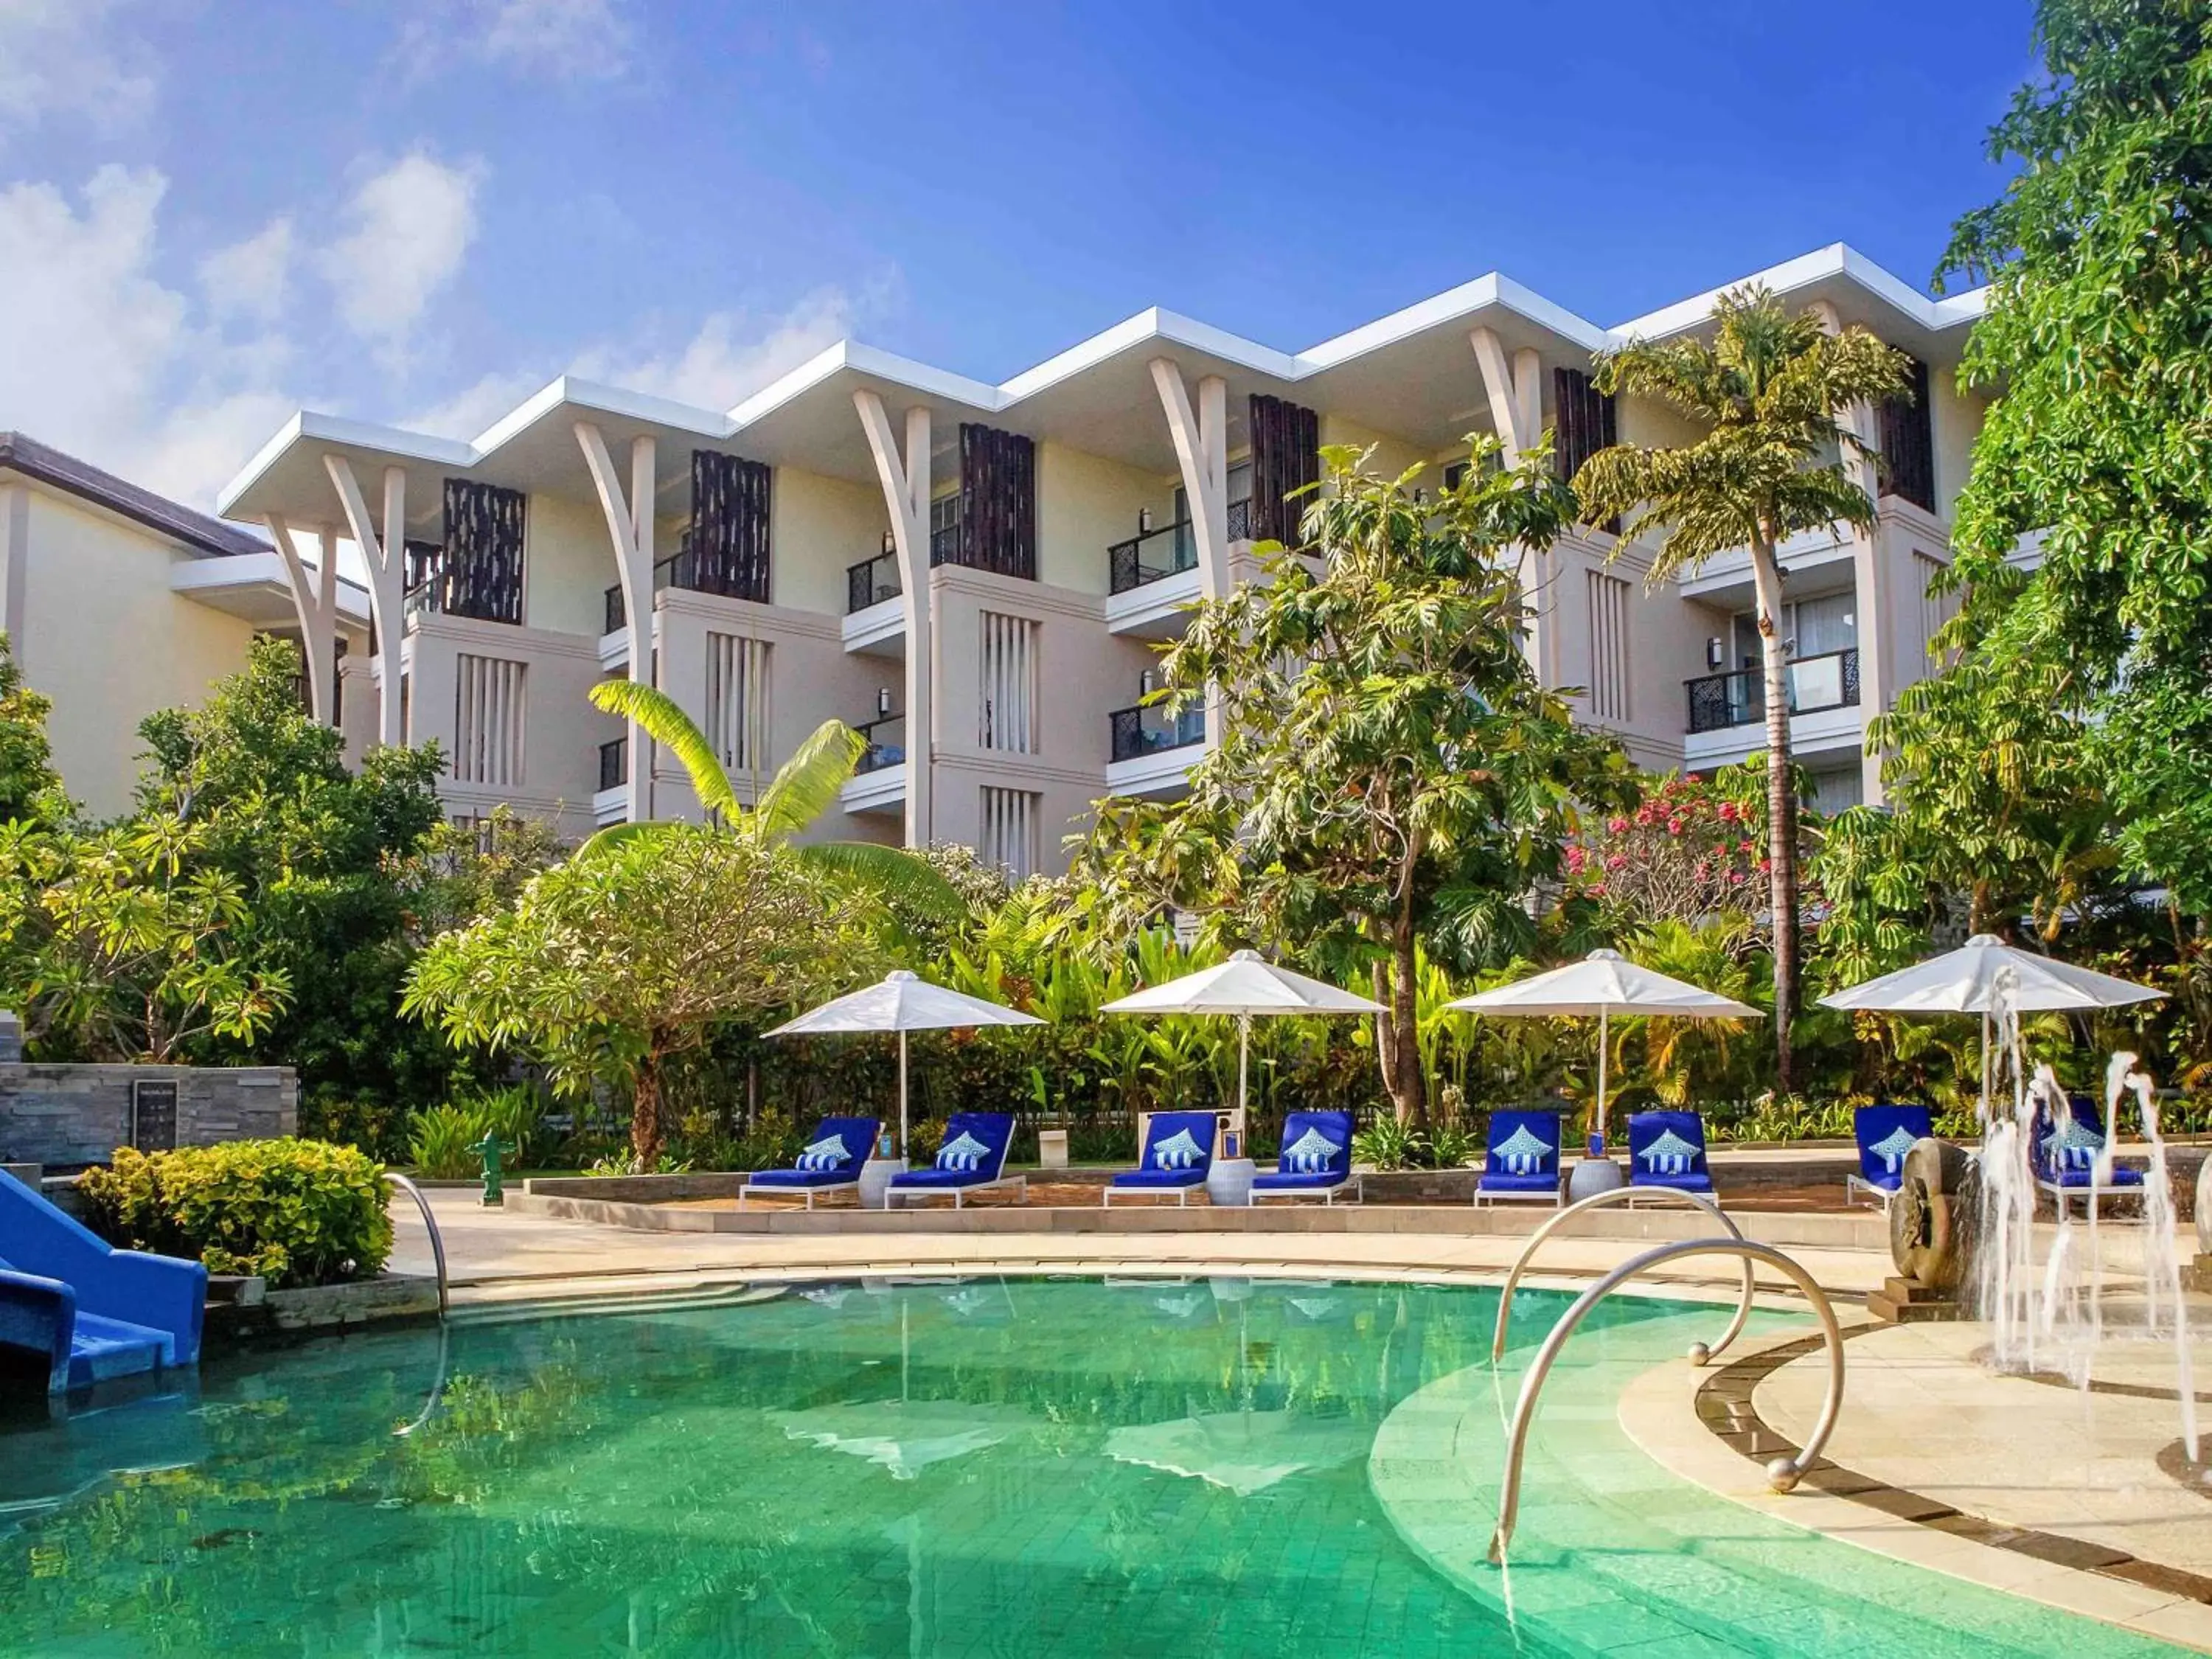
column 1169, row 1178
column 1315, row 1144
column 2065, row 1154
column 1178, row 1150
column 1668, row 1149
column 974, row 1153
column 803, row 1177
column 1523, row 1156
column 1884, row 1134
column 1295, row 1180
column 1516, row 1183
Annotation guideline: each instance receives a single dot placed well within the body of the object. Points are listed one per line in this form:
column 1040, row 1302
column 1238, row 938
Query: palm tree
column 803, row 789
column 1767, row 390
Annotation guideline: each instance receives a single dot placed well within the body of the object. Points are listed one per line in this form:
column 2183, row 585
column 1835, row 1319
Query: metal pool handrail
column 1700, row 1352
column 1783, row 1474
column 437, row 1242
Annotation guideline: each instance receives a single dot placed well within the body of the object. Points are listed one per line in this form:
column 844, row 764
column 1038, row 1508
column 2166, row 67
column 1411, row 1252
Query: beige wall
column 1958, row 421
column 569, row 564
column 820, row 527
column 105, row 638
column 1392, row 455
column 1085, row 505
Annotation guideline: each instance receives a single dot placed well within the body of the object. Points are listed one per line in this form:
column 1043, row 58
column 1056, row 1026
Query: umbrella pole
column 1243, row 1055
column 902, row 1150
column 1603, row 1021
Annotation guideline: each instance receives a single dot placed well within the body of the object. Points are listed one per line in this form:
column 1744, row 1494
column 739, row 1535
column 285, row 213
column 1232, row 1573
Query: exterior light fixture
column 890, row 543
column 1145, row 684
column 883, row 702
column 1144, row 522
column 1715, row 652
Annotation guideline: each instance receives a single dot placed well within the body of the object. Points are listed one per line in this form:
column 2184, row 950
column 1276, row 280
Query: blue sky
column 417, row 211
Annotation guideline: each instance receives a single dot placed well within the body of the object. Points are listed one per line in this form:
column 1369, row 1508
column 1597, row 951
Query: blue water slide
column 120, row 1312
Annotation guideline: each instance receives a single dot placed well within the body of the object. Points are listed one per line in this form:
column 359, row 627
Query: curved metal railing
column 1699, row 1352
column 437, row 1240
column 1783, row 1474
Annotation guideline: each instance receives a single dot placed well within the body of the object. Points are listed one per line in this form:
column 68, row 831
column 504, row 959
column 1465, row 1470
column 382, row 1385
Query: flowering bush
column 1686, row 853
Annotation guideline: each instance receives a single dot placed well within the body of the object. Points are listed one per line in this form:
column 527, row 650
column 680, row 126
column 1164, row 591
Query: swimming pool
column 1049, row 1466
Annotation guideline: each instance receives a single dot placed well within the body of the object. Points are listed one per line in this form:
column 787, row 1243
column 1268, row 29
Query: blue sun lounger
column 1668, row 1149
column 973, row 1158
column 1522, row 1165
column 2063, row 1156
column 1884, row 1134
column 1178, row 1156
column 830, row 1164
column 1316, row 1161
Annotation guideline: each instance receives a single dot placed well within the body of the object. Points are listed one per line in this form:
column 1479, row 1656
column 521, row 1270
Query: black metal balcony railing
column 1148, row 728
column 1240, row 520
column 613, row 764
column 674, row 571
column 884, row 750
column 871, row 581
column 1718, row 701
column 436, row 582
column 1149, row 557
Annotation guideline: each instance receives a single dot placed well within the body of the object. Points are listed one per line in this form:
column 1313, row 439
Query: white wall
column 819, row 528
column 105, row 637
column 1086, row 504
column 569, row 564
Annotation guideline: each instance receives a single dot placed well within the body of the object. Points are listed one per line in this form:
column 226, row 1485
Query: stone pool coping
column 1715, row 1437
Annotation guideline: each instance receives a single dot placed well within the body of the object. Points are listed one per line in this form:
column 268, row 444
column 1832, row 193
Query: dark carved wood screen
column 1583, row 421
column 1285, row 457
column 483, row 567
column 1908, row 443
column 728, row 544
column 998, row 503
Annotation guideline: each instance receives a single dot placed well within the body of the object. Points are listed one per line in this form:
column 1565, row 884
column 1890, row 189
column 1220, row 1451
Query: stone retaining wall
column 67, row 1116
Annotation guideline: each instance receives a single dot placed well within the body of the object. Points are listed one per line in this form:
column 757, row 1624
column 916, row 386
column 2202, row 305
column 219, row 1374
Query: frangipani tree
column 803, row 788
column 1770, row 392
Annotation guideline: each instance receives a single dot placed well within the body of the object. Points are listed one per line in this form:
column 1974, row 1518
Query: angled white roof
column 1392, row 375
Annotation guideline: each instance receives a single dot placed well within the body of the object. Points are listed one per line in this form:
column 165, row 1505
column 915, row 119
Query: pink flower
column 1597, row 889
column 1743, row 847
column 1735, row 877
column 1617, row 825
column 1674, row 826
column 1728, row 811
column 1574, row 859
column 1617, row 861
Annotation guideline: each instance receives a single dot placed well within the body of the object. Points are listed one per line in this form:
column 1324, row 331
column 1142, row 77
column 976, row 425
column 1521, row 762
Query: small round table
column 876, row 1178
column 1229, row 1182
column 1593, row 1175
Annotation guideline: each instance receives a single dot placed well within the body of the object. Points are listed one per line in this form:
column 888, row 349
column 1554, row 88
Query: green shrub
column 439, row 1140
column 1387, row 1143
column 1451, row 1146
column 293, row 1212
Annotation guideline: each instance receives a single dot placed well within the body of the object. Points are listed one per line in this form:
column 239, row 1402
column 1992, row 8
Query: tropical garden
column 1395, row 802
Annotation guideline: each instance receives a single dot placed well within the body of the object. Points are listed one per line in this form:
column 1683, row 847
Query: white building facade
column 979, row 576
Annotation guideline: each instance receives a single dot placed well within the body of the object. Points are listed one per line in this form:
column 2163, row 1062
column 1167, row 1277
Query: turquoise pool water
column 982, row 1468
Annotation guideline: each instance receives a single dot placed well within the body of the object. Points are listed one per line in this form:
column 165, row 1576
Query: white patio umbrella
column 1604, row 983
column 902, row 1002
column 1245, row 985
column 1968, row 981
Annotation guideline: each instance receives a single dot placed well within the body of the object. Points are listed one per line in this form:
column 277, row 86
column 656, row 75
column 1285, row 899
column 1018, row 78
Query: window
column 1009, row 836
column 1608, row 646
column 1006, row 693
column 1830, row 793
column 488, row 699
column 944, row 529
column 737, row 701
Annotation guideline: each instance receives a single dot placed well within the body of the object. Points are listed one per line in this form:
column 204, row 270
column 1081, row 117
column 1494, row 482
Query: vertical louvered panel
column 1583, row 421
column 1009, row 830
column 737, row 701
column 729, row 537
column 1007, row 671
column 1285, row 458
column 998, row 502
column 1908, row 443
column 1607, row 598
column 488, row 727
column 481, row 574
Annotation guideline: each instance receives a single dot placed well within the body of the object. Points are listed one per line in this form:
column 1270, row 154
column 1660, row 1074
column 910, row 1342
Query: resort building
column 117, row 602
column 979, row 577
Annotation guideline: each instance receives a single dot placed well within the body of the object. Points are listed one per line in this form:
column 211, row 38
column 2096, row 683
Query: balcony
column 437, row 584
column 1150, row 751
column 682, row 569
column 873, row 581
column 1151, row 557
column 878, row 782
column 885, row 736
column 1719, row 703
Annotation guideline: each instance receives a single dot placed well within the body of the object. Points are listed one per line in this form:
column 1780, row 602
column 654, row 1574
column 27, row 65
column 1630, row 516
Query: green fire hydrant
column 491, row 1149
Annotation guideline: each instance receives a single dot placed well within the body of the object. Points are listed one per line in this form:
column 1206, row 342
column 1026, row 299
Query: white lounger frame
column 893, row 1193
column 791, row 1191
column 1555, row 1198
column 1326, row 1194
column 1182, row 1194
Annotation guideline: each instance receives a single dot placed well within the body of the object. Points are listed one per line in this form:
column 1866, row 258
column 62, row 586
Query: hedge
column 293, row 1212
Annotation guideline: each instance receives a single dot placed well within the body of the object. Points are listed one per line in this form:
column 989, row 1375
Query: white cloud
column 410, row 229
column 539, row 39
column 59, row 57
column 249, row 278
column 107, row 363
column 466, row 414
column 734, row 354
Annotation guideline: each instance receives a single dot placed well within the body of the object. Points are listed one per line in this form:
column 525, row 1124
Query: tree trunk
column 1408, row 1091
column 645, row 1113
column 1781, row 800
